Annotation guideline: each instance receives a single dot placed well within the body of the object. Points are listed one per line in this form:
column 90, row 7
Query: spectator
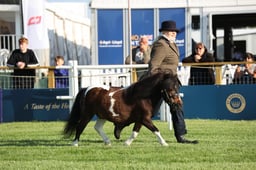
column 254, row 76
column 140, row 55
column 244, row 73
column 200, row 74
column 22, row 59
column 61, row 75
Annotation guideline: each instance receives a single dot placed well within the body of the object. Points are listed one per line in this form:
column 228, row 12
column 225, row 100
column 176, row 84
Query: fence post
column 218, row 76
column 51, row 78
column 73, row 81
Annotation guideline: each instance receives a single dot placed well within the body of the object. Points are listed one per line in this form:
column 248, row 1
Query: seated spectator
column 140, row 55
column 200, row 75
column 244, row 73
column 61, row 75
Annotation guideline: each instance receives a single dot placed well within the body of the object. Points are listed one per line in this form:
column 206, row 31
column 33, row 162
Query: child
column 61, row 75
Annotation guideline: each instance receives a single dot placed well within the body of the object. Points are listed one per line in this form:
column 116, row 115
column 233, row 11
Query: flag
column 34, row 22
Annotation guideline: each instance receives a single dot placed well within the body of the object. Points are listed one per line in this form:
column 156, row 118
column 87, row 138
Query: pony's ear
column 166, row 83
column 170, row 81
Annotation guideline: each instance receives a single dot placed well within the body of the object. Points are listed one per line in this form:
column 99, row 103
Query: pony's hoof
column 107, row 143
column 75, row 143
column 164, row 144
column 127, row 143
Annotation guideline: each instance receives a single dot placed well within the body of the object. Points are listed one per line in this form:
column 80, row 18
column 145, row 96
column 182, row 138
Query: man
column 165, row 57
column 140, row 55
column 22, row 59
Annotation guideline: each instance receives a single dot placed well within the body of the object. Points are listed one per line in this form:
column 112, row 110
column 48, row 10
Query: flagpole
column 129, row 37
column 22, row 17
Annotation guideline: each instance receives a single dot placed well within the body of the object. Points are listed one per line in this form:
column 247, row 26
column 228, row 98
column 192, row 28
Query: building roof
column 168, row 3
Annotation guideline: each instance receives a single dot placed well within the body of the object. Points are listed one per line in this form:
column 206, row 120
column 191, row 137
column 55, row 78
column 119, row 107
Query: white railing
column 98, row 75
column 8, row 41
column 121, row 75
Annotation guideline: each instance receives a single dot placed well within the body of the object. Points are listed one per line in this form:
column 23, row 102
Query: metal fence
column 113, row 75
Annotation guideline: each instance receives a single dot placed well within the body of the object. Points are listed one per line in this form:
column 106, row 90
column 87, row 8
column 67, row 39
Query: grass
column 40, row 145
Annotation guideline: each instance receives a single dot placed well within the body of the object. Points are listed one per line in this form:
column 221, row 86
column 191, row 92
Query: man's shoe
column 181, row 139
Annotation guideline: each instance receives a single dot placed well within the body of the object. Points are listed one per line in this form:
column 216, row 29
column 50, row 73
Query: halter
column 172, row 99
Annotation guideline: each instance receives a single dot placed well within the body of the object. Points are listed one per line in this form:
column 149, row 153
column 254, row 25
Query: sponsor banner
column 34, row 22
column 110, row 36
column 142, row 25
column 231, row 102
column 1, row 105
column 34, row 104
column 111, row 31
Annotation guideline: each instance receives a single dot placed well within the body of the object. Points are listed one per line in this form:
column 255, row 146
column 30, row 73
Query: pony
column 122, row 106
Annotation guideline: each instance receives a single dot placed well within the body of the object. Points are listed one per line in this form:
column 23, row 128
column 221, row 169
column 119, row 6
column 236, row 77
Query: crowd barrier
column 223, row 100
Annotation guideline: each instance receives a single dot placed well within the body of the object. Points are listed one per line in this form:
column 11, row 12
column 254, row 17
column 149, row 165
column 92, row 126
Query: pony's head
column 152, row 86
column 170, row 89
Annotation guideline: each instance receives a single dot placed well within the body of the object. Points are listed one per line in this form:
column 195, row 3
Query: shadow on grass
column 41, row 142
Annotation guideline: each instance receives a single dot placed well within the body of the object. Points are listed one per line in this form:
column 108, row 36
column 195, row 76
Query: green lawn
column 40, row 145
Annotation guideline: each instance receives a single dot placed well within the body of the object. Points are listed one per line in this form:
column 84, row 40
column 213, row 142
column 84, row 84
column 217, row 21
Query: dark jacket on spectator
column 200, row 75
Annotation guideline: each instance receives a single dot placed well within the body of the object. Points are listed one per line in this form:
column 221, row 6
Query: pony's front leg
column 129, row 141
column 99, row 128
column 149, row 124
column 135, row 132
column 160, row 138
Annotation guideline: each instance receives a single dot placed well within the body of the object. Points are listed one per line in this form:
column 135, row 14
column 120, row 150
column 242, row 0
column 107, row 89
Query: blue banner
column 1, row 105
column 34, row 104
column 177, row 15
column 231, row 102
column 142, row 25
column 110, row 36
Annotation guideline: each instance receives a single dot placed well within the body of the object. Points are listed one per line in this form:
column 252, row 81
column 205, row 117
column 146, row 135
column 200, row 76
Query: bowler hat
column 169, row 26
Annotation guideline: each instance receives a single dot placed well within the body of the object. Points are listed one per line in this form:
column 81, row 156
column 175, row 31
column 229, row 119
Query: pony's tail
column 74, row 115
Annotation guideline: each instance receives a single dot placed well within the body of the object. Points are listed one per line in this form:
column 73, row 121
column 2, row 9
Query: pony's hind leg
column 99, row 128
column 79, row 130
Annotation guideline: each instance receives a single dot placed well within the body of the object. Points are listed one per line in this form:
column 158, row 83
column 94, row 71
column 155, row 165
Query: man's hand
column 21, row 65
column 197, row 58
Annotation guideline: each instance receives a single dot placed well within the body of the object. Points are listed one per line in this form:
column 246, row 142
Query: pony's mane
column 144, row 88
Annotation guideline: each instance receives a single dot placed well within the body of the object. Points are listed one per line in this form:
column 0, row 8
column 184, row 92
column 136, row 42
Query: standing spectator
column 140, row 55
column 200, row 74
column 23, row 59
column 244, row 73
column 61, row 75
column 165, row 57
